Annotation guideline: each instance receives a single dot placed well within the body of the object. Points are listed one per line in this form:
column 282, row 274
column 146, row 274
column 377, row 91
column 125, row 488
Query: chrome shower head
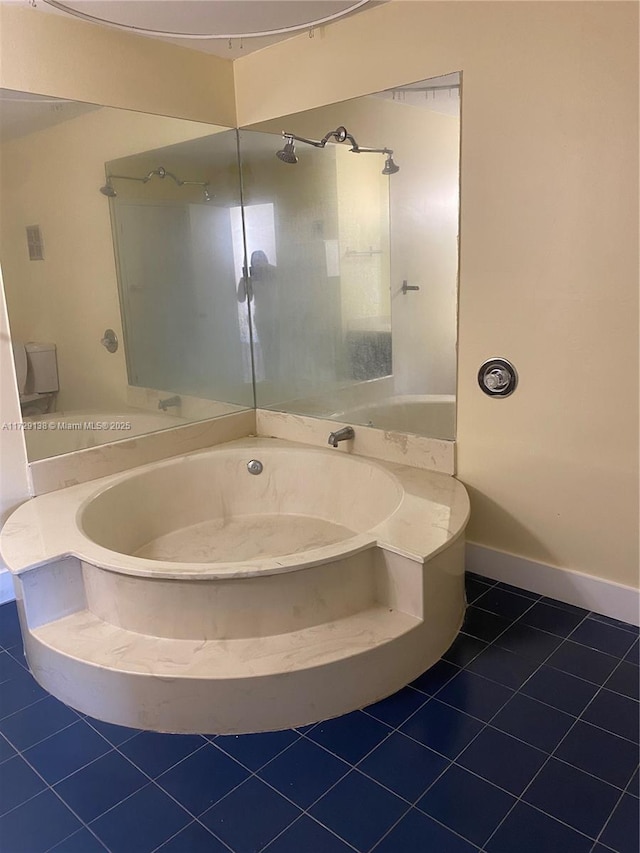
column 108, row 190
column 390, row 168
column 288, row 153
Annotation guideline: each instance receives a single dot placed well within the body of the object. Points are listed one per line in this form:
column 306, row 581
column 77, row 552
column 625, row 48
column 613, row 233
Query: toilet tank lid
column 38, row 346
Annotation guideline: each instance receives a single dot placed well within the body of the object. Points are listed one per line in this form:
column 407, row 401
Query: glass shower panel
column 318, row 276
column 177, row 272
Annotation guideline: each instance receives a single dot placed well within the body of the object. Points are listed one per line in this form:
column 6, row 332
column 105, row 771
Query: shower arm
column 127, row 178
column 340, row 134
column 358, row 150
column 161, row 172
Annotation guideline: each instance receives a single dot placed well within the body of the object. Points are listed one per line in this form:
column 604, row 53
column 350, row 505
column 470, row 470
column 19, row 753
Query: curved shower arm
column 127, row 178
column 291, row 136
column 340, row 134
column 387, row 151
column 161, row 172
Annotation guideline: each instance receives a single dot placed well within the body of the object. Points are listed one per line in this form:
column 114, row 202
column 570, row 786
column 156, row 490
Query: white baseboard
column 596, row 594
column 6, row 587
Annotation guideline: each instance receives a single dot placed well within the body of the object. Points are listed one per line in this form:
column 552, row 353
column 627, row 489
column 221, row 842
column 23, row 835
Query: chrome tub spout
column 344, row 434
column 170, row 401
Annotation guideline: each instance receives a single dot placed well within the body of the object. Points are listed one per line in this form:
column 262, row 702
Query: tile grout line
column 488, row 724
column 155, row 784
column 42, row 740
column 182, row 829
column 355, row 766
column 396, row 729
column 552, row 755
column 411, row 805
column 484, row 723
column 544, row 764
column 518, row 620
column 428, row 698
column 265, row 848
column 611, row 813
column 116, row 750
column 304, row 811
column 453, row 761
column 563, row 639
column 64, row 803
column 527, row 695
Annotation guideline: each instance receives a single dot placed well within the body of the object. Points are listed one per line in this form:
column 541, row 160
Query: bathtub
column 433, row 415
column 65, row 432
column 194, row 596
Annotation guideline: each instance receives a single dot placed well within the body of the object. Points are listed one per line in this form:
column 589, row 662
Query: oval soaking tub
column 191, row 595
column 208, row 508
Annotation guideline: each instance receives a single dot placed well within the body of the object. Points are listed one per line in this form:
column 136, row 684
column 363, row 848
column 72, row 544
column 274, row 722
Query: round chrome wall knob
column 497, row 377
column 254, row 466
column 110, row 340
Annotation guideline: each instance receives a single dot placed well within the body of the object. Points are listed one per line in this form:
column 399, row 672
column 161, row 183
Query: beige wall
column 51, row 178
column 56, row 55
column 549, row 247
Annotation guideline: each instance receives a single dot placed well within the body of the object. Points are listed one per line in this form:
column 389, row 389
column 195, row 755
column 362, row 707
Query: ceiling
column 191, row 23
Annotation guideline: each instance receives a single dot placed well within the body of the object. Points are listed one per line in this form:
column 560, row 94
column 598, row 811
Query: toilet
column 37, row 375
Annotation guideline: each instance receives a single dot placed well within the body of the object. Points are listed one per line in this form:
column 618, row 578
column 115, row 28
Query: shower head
column 206, row 195
column 108, row 190
column 288, row 153
column 390, row 168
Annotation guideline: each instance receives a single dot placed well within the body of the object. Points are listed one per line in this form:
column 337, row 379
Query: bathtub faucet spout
column 344, row 434
column 170, row 401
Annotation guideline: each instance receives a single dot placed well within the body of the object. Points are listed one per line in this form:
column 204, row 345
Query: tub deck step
column 85, row 638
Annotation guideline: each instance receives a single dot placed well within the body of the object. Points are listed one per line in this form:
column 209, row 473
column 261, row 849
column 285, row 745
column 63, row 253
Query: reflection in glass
column 368, row 262
column 259, row 230
column 319, row 277
column 296, row 291
column 178, row 328
column 176, row 262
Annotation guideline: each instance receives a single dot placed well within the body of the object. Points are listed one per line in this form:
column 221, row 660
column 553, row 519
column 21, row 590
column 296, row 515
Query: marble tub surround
column 60, row 472
column 410, row 510
column 66, row 432
column 319, row 619
column 418, row 451
column 191, row 408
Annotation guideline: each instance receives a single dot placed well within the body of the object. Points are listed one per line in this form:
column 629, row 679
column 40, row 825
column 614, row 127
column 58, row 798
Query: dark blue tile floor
column 523, row 739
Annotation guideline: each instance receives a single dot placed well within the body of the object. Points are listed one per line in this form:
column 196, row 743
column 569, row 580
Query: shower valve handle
column 407, row 287
column 110, row 340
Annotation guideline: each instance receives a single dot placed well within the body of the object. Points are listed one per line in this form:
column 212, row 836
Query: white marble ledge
column 83, row 636
column 81, row 466
column 418, row 451
column 431, row 511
